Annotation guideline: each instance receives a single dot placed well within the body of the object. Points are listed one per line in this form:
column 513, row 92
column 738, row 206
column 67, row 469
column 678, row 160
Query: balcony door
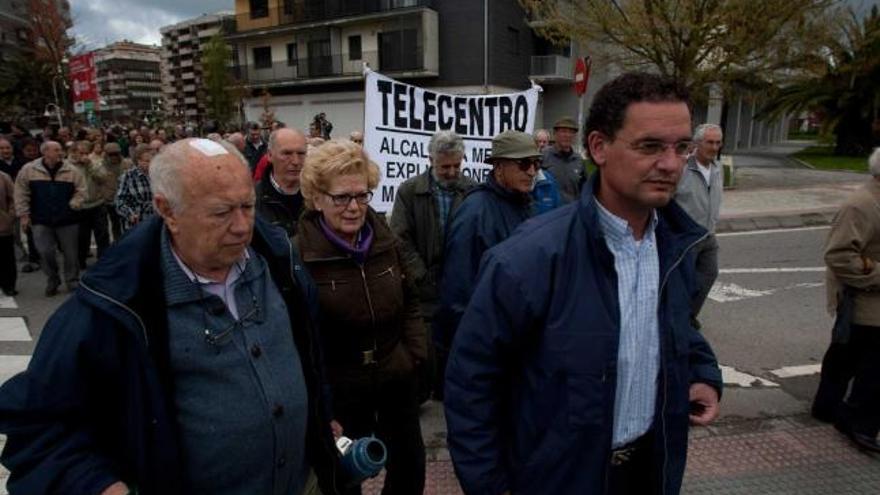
column 320, row 58
column 399, row 50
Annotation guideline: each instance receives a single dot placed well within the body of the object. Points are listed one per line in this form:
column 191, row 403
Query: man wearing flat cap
column 562, row 161
column 488, row 215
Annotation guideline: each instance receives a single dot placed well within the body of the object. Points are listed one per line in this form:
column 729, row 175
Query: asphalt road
column 767, row 312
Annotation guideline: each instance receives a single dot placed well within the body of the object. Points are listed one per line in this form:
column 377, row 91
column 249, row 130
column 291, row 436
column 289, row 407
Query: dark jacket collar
column 314, row 245
column 512, row 197
column 424, row 183
column 128, row 280
column 675, row 230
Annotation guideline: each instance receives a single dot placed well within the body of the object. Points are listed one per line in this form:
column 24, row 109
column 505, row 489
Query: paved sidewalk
column 775, row 456
column 775, row 191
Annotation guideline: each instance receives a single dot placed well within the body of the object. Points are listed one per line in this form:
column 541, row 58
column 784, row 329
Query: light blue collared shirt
column 638, row 357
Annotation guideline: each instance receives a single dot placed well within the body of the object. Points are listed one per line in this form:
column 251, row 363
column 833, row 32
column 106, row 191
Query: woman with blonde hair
column 372, row 331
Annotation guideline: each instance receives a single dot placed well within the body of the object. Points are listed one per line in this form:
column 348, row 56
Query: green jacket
column 415, row 220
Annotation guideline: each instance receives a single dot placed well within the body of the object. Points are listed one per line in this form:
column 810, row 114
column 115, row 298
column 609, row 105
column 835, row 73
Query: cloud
column 97, row 23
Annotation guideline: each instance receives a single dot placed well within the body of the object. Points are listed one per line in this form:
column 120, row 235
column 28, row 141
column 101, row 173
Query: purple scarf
column 362, row 242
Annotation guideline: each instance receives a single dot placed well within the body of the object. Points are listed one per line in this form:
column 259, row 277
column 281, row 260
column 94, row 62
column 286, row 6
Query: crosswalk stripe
column 732, row 376
column 11, row 366
column 793, row 371
column 7, row 302
column 14, row 329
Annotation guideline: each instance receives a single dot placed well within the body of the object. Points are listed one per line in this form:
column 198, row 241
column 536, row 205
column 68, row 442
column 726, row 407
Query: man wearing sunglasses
column 575, row 369
column 186, row 362
column 488, row 215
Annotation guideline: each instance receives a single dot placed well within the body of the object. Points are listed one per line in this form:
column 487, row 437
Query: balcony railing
column 551, row 68
column 338, row 65
column 299, row 11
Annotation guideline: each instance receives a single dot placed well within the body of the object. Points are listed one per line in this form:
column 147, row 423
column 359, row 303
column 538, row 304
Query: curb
column 765, row 222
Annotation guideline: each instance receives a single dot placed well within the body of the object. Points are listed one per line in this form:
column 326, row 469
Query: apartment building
column 129, row 81
column 310, row 54
column 15, row 24
column 182, row 45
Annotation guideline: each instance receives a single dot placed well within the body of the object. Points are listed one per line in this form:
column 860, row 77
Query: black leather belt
column 622, row 455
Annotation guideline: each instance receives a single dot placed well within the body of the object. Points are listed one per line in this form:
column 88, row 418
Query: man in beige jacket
column 852, row 255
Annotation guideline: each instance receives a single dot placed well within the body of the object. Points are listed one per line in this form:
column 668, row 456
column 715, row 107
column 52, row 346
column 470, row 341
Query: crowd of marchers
column 253, row 308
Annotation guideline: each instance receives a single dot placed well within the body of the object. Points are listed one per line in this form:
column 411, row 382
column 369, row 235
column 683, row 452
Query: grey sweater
column 240, row 402
column 701, row 200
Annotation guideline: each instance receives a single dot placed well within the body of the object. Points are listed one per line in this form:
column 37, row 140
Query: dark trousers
column 115, row 221
column 706, row 255
column 8, row 268
column 33, row 252
column 861, row 410
column 92, row 220
column 858, row 361
column 635, row 476
column 389, row 409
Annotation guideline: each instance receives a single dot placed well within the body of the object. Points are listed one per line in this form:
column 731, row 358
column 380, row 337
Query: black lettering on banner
column 478, row 174
column 521, row 113
column 490, row 104
column 480, row 155
column 399, row 105
column 442, row 121
column 384, row 87
column 476, row 111
column 387, row 193
column 384, row 147
column 461, row 117
column 414, row 122
column 430, row 110
column 412, row 169
column 393, row 170
column 504, row 118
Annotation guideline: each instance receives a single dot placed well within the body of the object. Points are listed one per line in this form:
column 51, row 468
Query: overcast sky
column 99, row 22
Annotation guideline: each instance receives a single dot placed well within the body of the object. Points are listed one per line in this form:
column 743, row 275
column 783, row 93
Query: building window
column 259, row 8
column 512, row 40
column 354, row 47
column 320, row 59
column 399, row 50
column 291, row 54
column 263, row 57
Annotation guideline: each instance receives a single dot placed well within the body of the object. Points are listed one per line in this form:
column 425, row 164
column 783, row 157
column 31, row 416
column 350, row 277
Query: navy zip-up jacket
column 531, row 378
column 487, row 215
column 95, row 403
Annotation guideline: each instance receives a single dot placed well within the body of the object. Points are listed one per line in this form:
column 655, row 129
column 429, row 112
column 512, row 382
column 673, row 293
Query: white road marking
column 7, row 302
column 732, row 376
column 801, row 269
column 11, row 366
column 771, row 231
column 14, row 329
column 726, row 292
column 793, row 371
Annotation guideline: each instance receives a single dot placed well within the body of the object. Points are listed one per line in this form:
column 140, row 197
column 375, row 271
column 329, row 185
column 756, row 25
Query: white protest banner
column 399, row 120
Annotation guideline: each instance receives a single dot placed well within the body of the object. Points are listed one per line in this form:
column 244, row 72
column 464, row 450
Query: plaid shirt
column 444, row 199
column 637, row 265
column 134, row 197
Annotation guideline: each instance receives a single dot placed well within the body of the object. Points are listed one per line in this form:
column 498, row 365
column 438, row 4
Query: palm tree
column 843, row 87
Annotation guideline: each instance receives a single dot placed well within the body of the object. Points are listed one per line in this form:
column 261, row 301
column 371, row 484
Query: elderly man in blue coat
column 575, row 368
column 186, row 362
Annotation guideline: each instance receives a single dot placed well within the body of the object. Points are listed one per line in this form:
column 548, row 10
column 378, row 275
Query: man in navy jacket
column 143, row 379
column 575, row 368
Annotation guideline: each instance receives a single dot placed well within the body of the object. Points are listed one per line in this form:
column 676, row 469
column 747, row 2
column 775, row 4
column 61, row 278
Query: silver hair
column 542, row 131
column 273, row 137
column 166, row 168
column 701, row 129
column 874, row 163
column 445, row 143
column 45, row 145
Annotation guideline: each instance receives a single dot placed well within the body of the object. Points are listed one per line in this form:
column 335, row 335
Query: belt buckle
column 369, row 357
column 621, row 456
